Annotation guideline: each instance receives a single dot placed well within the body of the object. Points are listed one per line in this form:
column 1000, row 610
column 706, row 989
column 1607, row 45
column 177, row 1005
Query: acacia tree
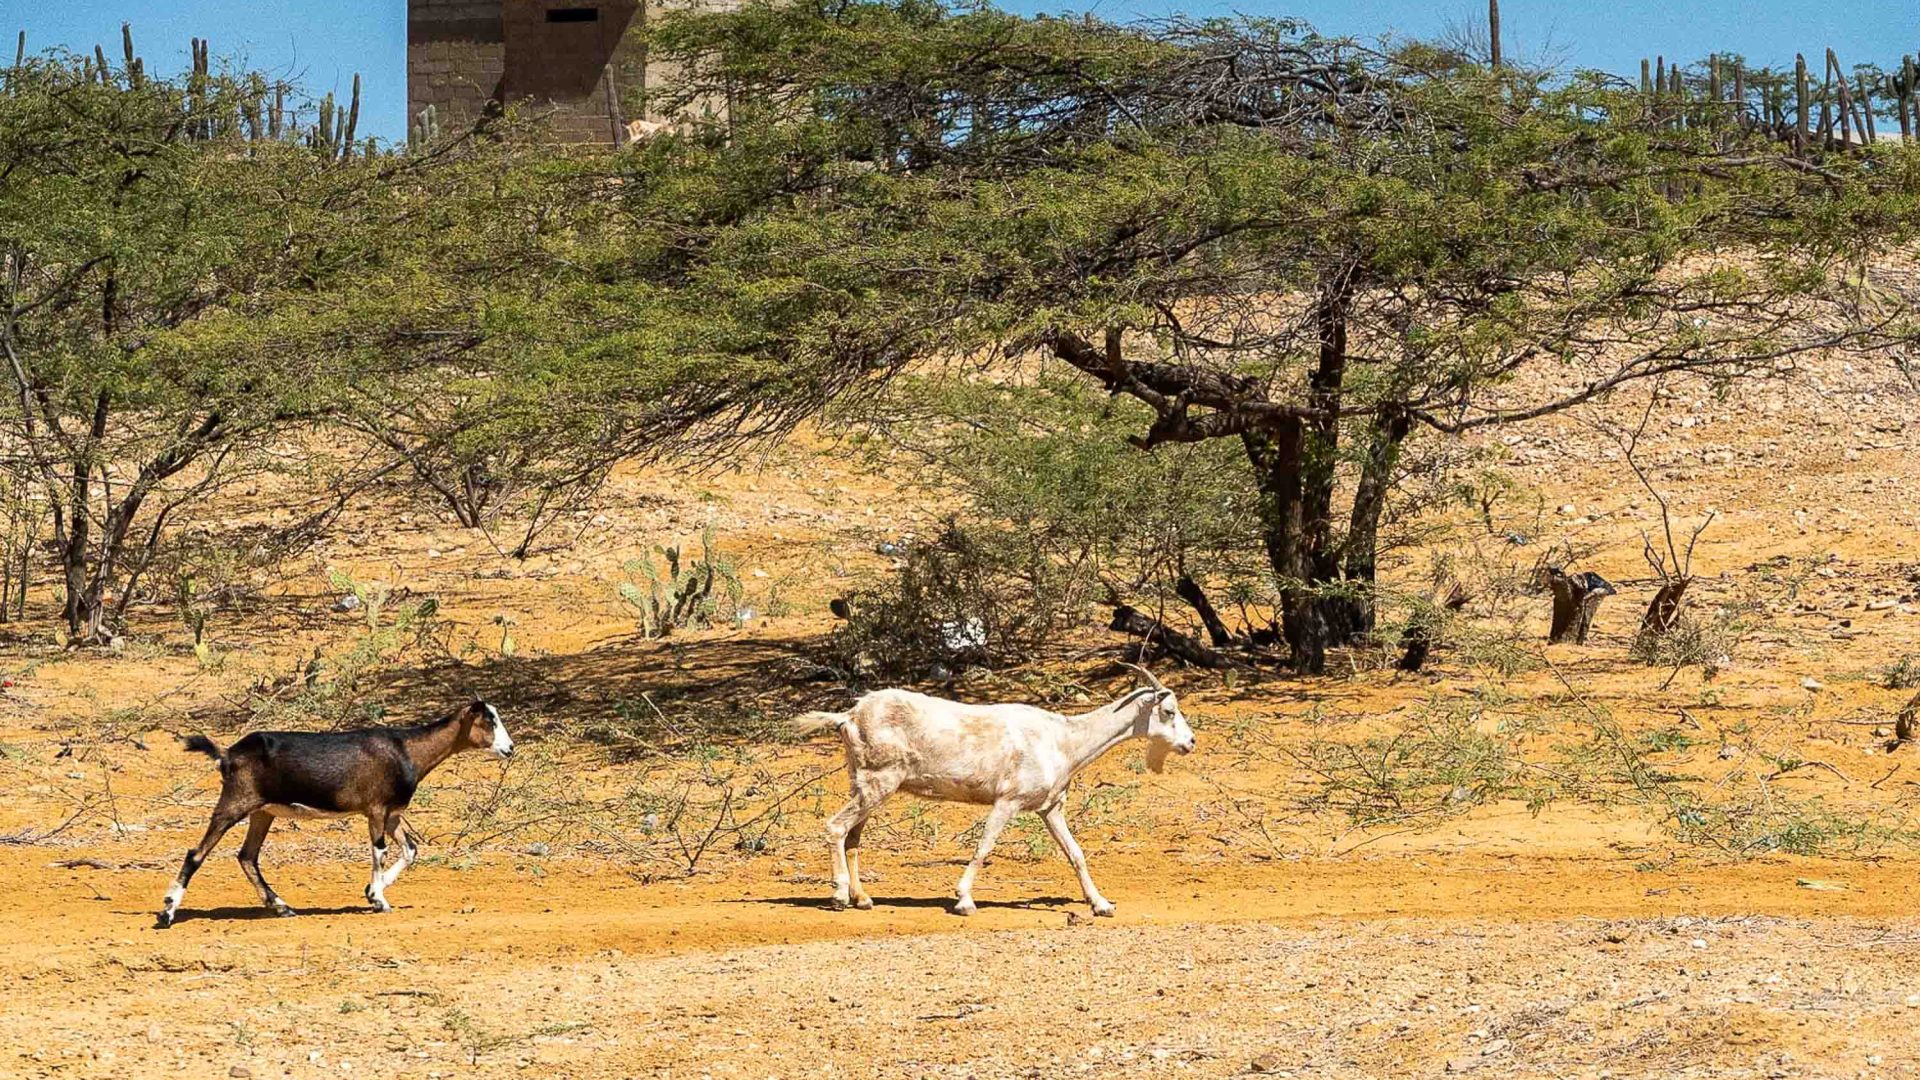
column 182, row 283
column 1309, row 247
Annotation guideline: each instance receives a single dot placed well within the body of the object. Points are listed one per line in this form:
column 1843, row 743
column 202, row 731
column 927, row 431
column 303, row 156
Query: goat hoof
column 163, row 920
column 964, row 907
column 1105, row 911
column 864, row 903
column 838, row 903
column 282, row 910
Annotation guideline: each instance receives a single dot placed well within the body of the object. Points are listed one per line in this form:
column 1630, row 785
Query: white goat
column 1009, row 757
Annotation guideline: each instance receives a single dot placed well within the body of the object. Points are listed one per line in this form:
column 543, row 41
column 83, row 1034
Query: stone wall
column 567, row 60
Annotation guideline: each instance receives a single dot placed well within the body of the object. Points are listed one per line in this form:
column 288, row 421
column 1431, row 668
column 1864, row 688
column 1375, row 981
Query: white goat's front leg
column 1056, row 819
column 997, row 819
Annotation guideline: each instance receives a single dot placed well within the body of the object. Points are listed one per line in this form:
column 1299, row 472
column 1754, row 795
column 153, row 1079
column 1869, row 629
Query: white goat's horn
column 1145, row 674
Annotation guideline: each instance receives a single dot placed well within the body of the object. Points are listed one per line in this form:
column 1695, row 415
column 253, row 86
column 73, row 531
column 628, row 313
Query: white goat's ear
column 1157, row 751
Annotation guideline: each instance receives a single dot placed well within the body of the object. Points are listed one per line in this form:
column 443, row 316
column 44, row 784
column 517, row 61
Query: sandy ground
column 1381, row 966
column 1258, row 933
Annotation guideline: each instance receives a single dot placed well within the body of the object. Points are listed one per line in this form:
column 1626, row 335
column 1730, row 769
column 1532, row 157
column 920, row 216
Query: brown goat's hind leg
column 377, row 836
column 249, row 857
column 225, row 816
column 397, row 829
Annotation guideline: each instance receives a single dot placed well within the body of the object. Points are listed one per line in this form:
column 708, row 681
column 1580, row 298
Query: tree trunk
column 1293, row 464
column 1417, row 640
column 1353, row 613
column 1278, row 465
column 1196, row 597
column 1153, row 632
column 1664, row 611
column 1576, row 598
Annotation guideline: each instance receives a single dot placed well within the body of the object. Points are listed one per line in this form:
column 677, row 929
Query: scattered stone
column 349, row 602
column 1821, row 886
column 1811, row 683
column 1266, row 1063
column 240, row 1071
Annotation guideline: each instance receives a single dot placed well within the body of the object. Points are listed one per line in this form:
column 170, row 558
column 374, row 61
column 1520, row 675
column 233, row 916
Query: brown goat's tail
column 203, row 745
column 815, row 722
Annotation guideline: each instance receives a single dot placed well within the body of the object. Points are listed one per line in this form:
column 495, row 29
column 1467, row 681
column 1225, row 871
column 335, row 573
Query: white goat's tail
column 815, row 722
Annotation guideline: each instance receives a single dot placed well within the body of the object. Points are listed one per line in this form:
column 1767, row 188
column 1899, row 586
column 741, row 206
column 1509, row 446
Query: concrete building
column 571, row 59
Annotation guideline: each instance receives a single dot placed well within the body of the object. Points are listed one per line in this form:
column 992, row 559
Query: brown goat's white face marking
column 502, row 742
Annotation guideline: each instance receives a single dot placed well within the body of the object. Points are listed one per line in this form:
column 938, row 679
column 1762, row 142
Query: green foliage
column 341, row 688
column 965, row 597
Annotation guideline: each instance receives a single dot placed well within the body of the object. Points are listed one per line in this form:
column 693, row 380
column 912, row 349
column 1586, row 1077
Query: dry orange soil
column 554, row 930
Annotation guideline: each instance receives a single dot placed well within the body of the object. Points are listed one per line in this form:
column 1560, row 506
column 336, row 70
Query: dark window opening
column 573, row 14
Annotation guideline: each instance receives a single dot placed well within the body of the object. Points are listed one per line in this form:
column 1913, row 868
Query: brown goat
column 317, row 774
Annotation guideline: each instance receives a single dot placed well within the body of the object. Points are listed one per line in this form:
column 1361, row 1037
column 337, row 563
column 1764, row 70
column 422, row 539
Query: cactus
column 425, row 129
column 1800, row 98
column 353, row 120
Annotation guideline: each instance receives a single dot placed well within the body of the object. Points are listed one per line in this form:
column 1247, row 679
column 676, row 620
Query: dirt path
column 1383, row 966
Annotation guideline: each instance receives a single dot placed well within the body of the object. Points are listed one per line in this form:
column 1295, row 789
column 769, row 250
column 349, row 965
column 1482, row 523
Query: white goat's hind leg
column 869, row 791
column 1056, row 819
column 997, row 819
column 855, row 891
column 838, row 826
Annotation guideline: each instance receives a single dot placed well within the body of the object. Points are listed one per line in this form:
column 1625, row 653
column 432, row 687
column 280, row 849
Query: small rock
column 1883, row 732
column 1698, row 943
column 1811, row 683
column 537, row 849
column 240, row 1071
column 349, row 602
column 1266, row 1063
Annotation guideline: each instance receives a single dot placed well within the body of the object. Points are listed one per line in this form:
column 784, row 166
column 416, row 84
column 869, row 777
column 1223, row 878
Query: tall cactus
column 353, row 120
column 1800, row 100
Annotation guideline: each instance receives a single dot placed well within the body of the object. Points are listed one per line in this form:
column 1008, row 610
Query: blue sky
column 324, row 42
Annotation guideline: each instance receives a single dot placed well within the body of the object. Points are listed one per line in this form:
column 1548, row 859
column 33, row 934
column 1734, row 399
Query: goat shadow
column 245, row 914
column 823, row 903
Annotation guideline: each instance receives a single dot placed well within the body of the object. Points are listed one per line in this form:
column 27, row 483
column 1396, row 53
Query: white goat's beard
column 1157, row 751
